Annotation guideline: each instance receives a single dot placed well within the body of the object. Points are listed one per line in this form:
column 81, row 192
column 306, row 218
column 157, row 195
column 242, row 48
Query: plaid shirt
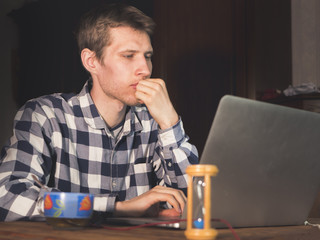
column 64, row 141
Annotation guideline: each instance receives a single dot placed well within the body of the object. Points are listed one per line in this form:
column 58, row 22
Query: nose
column 144, row 67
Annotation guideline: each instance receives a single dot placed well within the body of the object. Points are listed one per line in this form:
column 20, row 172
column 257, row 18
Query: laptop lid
column 268, row 161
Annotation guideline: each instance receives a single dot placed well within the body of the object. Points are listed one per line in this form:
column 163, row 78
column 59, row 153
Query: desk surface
column 41, row 230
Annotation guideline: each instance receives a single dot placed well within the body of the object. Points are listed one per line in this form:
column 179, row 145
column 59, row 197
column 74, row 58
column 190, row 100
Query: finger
column 156, row 84
column 146, row 89
column 169, row 213
column 177, row 194
column 172, row 201
column 153, row 80
column 156, row 196
column 149, row 87
column 142, row 97
column 147, row 95
column 180, row 197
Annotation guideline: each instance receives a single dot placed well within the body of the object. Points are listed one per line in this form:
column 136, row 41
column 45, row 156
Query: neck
column 112, row 110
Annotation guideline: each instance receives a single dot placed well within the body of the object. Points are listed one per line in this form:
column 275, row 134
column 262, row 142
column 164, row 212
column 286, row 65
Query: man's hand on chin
column 153, row 93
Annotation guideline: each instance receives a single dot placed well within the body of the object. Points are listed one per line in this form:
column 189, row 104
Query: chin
column 135, row 104
column 132, row 103
column 131, row 100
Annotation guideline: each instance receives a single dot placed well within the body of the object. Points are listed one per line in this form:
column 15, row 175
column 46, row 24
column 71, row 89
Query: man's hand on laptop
column 147, row 204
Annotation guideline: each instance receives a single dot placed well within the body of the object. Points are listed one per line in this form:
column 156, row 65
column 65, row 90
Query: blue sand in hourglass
column 198, row 223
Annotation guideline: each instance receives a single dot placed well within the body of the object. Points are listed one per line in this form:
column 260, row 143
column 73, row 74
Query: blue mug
column 68, row 210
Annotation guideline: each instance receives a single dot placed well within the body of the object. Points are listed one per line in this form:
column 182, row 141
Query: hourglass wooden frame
column 206, row 171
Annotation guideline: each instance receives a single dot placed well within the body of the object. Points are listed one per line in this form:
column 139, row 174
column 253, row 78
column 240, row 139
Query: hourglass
column 199, row 192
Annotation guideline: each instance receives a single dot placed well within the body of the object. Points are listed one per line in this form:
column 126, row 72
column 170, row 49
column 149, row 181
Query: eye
column 148, row 56
column 128, row 55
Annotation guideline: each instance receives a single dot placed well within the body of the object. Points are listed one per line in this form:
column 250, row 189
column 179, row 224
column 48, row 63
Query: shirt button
column 114, row 184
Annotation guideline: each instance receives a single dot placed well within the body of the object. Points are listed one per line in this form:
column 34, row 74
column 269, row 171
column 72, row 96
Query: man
column 120, row 138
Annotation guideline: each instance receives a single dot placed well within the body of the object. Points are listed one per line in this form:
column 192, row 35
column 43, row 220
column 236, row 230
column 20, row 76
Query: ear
column 89, row 60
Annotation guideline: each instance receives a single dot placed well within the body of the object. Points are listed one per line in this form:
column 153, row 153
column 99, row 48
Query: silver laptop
column 269, row 164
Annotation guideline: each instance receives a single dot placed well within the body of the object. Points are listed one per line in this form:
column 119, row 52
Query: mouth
column 134, row 86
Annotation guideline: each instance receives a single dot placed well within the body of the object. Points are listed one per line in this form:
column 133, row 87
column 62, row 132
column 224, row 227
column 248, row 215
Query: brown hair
column 92, row 32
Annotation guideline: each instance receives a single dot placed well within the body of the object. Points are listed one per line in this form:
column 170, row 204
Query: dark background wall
column 49, row 59
column 203, row 49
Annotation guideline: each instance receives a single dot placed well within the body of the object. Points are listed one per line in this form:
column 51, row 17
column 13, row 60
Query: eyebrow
column 135, row 51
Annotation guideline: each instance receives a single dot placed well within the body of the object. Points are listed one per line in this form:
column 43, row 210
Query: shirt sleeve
column 21, row 158
column 30, row 152
column 174, row 155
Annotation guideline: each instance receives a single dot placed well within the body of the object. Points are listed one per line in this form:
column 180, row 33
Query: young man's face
column 125, row 62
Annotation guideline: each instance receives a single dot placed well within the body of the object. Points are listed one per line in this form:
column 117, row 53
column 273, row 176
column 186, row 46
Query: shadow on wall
column 200, row 78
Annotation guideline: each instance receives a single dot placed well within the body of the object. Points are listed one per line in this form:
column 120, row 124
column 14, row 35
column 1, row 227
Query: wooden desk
column 40, row 230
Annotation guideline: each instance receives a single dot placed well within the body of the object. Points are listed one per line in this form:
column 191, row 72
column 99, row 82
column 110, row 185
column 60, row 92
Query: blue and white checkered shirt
column 64, row 141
